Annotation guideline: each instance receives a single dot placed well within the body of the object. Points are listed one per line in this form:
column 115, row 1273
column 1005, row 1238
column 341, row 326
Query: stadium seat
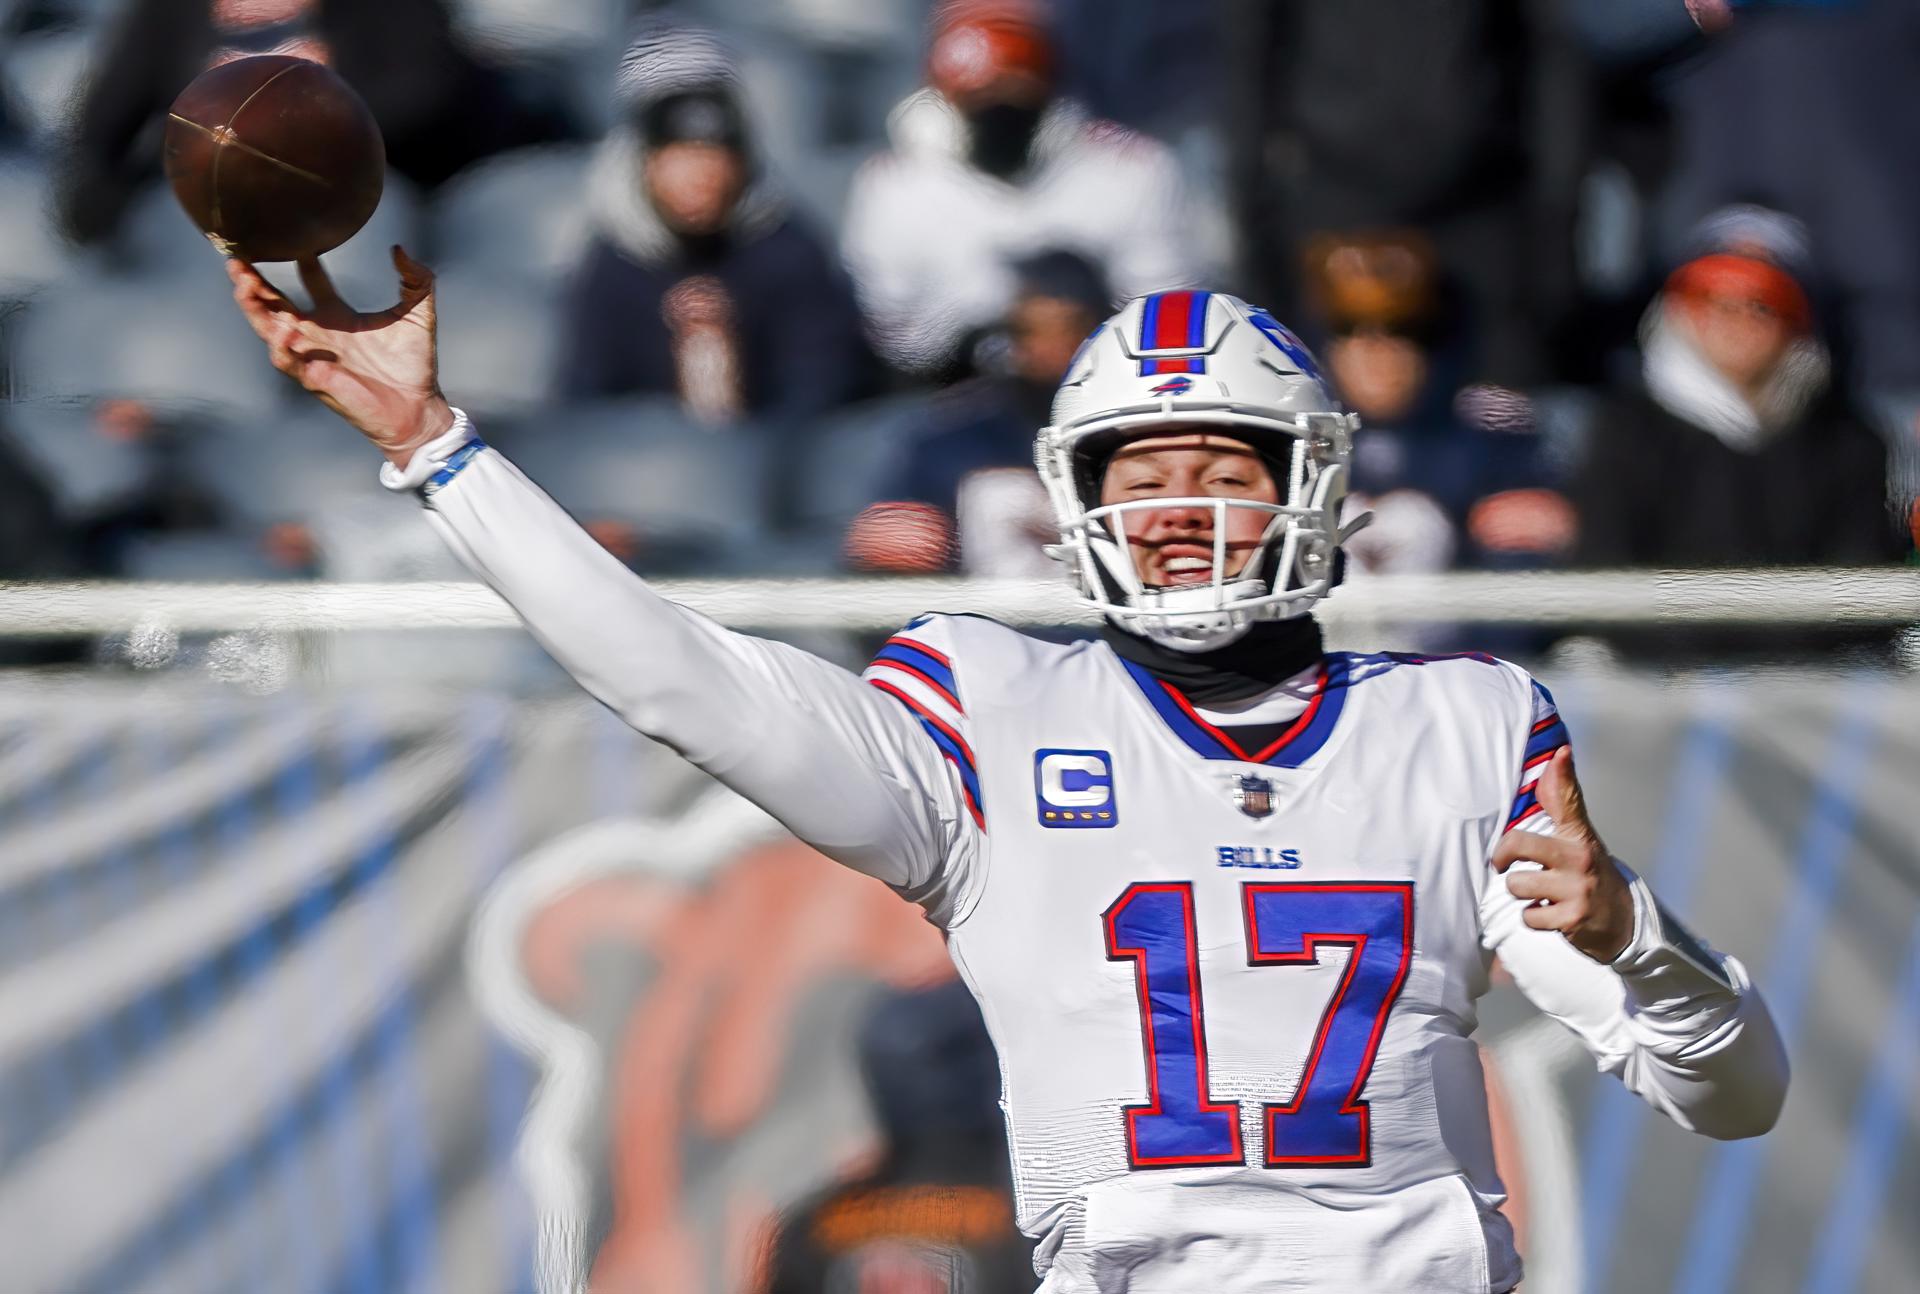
column 1563, row 418
column 198, row 555
column 821, row 22
column 694, row 495
column 785, row 104
column 568, row 49
column 849, row 457
column 178, row 343
column 157, row 239
column 816, row 118
column 45, row 71
column 534, row 28
column 155, row 234
column 498, row 338
column 85, row 470
column 520, row 214
column 32, row 253
column 294, row 467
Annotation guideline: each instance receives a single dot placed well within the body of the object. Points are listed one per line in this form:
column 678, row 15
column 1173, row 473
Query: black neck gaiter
column 1000, row 138
column 703, row 251
column 1267, row 655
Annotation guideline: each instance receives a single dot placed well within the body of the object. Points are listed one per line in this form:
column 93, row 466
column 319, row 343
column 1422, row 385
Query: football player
column 1226, row 898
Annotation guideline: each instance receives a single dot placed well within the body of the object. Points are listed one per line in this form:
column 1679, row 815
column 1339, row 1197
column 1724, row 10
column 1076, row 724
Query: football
column 275, row 158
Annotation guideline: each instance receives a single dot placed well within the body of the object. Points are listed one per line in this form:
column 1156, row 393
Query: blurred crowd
column 785, row 287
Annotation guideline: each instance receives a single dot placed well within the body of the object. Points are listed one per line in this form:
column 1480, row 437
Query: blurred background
column 377, row 959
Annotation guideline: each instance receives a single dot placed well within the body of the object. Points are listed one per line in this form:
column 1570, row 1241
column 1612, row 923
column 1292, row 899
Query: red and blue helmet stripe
column 1174, row 321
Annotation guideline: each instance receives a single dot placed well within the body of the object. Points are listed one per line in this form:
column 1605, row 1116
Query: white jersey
column 1093, row 187
column 1231, row 990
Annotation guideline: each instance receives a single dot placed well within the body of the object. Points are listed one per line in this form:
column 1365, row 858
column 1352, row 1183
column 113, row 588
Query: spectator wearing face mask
column 966, row 496
column 438, row 107
column 1739, row 450
column 700, row 280
column 989, row 163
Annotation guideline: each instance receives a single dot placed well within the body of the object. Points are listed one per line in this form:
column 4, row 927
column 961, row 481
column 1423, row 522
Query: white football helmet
column 1199, row 360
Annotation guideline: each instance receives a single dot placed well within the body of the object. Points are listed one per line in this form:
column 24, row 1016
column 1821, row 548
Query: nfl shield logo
column 1254, row 796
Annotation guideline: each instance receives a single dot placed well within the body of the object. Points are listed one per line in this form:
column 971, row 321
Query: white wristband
column 432, row 458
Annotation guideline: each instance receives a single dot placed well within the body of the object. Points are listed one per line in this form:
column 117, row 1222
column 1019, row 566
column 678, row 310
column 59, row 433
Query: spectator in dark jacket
column 700, row 280
column 1463, row 119
column 438, row 107
column 966, row 496
column 1452, row 477
column 1809, row 106
column 1739, row 451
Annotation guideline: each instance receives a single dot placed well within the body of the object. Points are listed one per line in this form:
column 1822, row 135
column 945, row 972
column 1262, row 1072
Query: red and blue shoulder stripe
column 1546, row 735
column 921, row 677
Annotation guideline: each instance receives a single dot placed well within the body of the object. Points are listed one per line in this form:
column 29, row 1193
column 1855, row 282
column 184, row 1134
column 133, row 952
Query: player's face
column 1174, row 546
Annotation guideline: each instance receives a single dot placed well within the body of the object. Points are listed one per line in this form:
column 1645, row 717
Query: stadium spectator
column 989, row 163
column 438, row 107
column 966, row 495
column 1739, row 450
column 1809, row 108
column 700, row 279
column 1453, row 477
column 1464, row 120
column 937, row 1212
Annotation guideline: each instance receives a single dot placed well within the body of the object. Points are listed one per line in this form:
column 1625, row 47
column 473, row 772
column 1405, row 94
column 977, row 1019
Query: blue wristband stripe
column 455, row 464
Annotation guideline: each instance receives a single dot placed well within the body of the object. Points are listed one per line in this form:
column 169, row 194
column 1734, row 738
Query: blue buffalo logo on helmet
column 1174, row 386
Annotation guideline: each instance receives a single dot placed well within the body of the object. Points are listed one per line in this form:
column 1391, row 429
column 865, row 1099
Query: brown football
column 275, row 158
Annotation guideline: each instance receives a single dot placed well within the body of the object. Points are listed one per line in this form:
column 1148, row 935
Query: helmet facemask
column 1287, row 569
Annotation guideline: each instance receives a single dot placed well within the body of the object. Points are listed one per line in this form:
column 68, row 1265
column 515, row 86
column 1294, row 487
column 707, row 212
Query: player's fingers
column 408, row 267
column 258, row 317
column 416, row 280
column 248, row 282
column 261, row 304
column 1554, row 887
column 285, row 339
column 319, row 285
column 1551, row 916
column 1548, row 851
column 416, row 286
column 1559, row 792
